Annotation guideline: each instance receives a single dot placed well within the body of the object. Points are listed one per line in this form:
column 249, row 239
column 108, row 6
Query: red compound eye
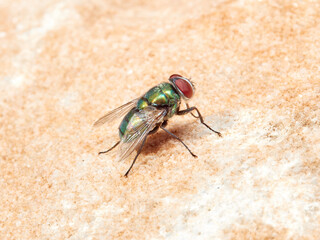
column 175, row 76
column 184, row 86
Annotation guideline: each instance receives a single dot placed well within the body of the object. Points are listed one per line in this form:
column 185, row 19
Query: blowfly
column 145, row 115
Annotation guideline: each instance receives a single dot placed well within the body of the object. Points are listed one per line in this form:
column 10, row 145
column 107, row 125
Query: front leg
column 189, row 110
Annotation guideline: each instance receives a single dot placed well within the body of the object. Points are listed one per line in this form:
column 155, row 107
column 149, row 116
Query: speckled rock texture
column 256, row 66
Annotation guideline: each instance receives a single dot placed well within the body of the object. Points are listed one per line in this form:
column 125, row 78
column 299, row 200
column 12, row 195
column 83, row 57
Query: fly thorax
column 173, row 98
column 156, row 97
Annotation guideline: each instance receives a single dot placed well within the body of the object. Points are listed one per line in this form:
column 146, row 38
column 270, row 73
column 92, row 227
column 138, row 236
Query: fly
column 145, row 115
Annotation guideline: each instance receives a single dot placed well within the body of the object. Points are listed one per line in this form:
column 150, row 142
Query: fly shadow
column 160, row 140
column 188, row 132
column 180, row 133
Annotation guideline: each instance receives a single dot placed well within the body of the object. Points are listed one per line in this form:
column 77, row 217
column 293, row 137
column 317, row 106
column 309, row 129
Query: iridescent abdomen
column 130, row 122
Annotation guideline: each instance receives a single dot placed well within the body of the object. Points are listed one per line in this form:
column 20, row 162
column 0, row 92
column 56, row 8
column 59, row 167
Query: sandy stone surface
column 256, row 66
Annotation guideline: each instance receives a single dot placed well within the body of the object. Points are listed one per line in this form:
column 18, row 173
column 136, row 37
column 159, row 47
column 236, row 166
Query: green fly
column 145, row 115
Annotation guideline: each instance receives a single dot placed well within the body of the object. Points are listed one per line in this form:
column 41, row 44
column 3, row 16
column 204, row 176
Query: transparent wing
column 148, row 119
column 116, row 113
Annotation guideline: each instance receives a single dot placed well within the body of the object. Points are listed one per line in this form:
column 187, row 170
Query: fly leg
column 189, row 110
column 110, row 148
column 170, row 133
column 139, row 151
column 134, row 160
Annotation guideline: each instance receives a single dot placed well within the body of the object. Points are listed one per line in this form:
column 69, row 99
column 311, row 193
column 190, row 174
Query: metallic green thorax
column 160, row 96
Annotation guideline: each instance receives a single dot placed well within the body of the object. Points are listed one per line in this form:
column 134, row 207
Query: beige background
column 256, row 65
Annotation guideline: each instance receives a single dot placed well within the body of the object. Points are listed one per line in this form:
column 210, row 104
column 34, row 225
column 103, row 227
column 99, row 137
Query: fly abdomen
column 125, row 121
column 128, row 122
